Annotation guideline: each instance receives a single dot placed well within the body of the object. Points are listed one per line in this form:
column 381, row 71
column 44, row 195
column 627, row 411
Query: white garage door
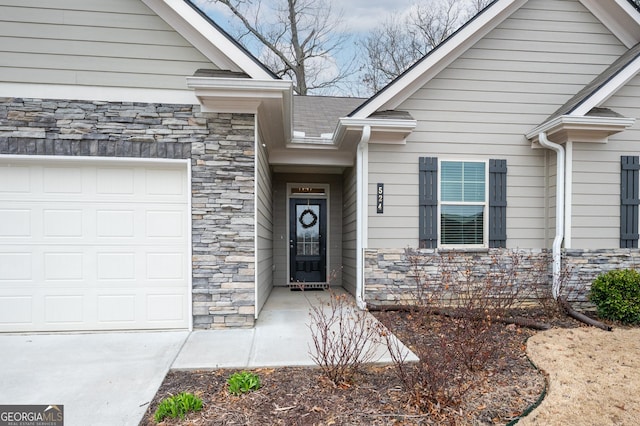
column 93, row 245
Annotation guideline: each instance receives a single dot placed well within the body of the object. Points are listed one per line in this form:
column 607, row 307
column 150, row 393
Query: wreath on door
column 308, row 218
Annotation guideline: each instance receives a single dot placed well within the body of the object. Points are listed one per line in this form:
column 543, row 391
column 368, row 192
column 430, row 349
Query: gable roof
column 209, row 38
column 620, row 17
column 603, row 86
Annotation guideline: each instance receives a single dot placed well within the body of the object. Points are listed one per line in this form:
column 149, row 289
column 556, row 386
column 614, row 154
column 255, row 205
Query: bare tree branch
column 399, row 42
column 298, row 36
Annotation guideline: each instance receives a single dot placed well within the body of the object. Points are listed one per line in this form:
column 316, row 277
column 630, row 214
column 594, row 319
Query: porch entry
column 307, row 240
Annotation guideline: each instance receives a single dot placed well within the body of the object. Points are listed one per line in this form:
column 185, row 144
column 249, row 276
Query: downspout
column 362, row 183
column 568, row 193
column 560, row 200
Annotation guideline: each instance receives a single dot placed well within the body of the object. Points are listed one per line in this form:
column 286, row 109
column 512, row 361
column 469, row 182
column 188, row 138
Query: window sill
column 463, row 249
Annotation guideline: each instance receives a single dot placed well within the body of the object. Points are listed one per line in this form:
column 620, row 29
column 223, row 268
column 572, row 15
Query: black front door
column 307, row 240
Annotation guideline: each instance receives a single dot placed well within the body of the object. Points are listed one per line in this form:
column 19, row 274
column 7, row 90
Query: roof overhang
column 383, row 131
column 592, row 129
column 270, row 100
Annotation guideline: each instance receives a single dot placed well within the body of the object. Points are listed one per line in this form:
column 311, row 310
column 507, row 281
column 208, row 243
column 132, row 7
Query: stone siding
column 221, row 149
column 583, row 266
column 403, row 275
column 391, row 275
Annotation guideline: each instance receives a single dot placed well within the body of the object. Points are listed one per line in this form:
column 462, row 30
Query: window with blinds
column 463, row 203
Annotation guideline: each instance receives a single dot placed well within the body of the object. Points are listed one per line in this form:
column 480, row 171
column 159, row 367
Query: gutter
column 560, row 201
column 362, row 183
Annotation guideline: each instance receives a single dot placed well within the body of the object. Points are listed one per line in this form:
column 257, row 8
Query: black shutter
column 428, row 202
column 629, row 201
column 497, row 203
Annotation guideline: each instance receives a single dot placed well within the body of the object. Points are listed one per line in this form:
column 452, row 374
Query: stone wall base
column 395, row 276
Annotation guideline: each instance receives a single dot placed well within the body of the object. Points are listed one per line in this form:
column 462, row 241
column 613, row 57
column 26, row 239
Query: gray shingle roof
column 315, row 115
column 591, row 88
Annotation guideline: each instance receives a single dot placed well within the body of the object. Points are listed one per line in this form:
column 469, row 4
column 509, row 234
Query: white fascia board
column 436, row 61
column 610, row 125
column 239, row 84
column 246, row 91
column 619, row 16
column 97, row 93
column 608, row 89
column 377, row 125
column 206, row 38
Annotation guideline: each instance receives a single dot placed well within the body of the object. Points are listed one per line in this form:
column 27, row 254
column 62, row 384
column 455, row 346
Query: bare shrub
column 343, row 337
column 473, row 293
column 436, row 383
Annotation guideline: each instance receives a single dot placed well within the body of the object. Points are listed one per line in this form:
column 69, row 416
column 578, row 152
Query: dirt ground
column 594, row 376
column 302, row 396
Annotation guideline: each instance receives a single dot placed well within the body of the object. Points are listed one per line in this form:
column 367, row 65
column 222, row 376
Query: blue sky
column 359, row 16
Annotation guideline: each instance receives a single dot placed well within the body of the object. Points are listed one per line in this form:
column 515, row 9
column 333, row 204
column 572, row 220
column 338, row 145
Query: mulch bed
column 504, row 388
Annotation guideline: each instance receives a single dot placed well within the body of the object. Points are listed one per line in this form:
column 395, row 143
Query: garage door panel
column 166, row 307
column 15, row 310
column 16, row 266
column 64, row 266
column 165, row 183
column 62, row 223
column 115, row 223
column 110, row 181
column 165, row 223
column 15, row 222
column 165, row 266
column 117, row 308
column 90, row 247
column 65, row 309
column 62, row 180
column 15, row 179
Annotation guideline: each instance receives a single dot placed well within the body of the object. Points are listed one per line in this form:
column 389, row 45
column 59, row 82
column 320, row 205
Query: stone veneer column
column 221, row 149
column 223, row 173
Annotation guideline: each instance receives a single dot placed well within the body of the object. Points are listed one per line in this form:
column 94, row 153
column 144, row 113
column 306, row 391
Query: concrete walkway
column 281, row 337
column 110, row 378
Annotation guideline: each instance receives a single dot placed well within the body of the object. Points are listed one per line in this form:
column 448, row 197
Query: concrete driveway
column 100, row 378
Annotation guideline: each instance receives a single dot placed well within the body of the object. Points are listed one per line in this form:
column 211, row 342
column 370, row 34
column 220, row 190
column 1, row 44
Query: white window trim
column 485, row 220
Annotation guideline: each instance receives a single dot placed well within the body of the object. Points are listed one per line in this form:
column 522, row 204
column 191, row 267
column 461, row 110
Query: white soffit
column 399, row 90
column 584, row 129
column 206, row 37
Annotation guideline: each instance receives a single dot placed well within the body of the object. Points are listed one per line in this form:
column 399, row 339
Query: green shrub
column 242, row 382
column 177, row 406
column 616, row 295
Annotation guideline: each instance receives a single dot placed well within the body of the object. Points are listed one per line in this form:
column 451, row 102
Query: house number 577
column 380, row 199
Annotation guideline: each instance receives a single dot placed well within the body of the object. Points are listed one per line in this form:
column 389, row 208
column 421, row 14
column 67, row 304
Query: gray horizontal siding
column 119, row 43
column 481, row 106
column 596, row 196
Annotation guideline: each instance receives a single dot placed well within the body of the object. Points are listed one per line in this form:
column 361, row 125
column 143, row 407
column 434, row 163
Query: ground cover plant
column 242, row 382
column 177, row 406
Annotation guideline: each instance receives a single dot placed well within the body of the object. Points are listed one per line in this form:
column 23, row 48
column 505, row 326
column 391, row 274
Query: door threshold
column 308, row 286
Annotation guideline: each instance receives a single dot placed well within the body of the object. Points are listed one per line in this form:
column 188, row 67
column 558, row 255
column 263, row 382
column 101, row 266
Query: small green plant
column 616, row 295
column 243, row 382
column 177, row 406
